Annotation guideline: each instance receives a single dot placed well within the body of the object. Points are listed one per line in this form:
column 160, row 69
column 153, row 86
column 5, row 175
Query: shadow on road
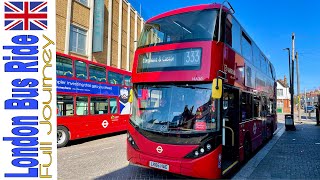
column 136, row 172
column 85, row 140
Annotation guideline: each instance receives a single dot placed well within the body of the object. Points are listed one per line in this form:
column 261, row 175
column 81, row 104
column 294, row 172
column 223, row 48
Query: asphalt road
column 102, row 158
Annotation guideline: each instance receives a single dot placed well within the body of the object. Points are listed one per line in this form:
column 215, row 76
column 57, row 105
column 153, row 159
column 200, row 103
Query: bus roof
column 188, row 9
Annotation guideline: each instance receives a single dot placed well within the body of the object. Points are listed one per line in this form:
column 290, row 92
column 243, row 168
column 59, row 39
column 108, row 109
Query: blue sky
column 270, row 24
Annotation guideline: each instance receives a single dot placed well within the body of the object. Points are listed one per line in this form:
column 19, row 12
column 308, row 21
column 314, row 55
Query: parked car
column 309, row 109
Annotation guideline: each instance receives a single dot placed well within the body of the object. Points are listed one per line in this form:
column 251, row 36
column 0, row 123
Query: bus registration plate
column 159, row 165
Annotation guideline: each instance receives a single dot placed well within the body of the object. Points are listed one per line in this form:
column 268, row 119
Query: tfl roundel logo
column 159, row 149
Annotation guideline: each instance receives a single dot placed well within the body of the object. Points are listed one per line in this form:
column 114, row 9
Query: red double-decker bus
column 203, row 96
column 92, row 99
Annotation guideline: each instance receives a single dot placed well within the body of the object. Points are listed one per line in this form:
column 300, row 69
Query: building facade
column 283, row 96
column 103, row 31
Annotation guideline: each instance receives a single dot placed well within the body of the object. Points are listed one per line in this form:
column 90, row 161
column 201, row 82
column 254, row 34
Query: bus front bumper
column 207, row 166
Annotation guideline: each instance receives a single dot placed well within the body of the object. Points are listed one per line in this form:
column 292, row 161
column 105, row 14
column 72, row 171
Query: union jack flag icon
column 25, row 15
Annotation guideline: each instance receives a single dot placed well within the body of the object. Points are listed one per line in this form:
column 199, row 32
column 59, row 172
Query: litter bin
column 289, row 123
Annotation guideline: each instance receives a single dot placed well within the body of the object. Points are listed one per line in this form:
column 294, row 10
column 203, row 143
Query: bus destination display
column 184, row 59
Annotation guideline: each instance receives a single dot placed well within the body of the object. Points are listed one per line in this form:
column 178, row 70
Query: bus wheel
column 247, row 149
column 63, row 136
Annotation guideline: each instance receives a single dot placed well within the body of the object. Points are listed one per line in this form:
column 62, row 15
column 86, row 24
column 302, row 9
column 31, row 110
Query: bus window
column 256, row 110
column 127, row 81
column 115, row 78
column 97, row 73
column 246, row 106
column 99, row 105
column 82, row 105
column 64, row 105
column 81, row 70
column 246, row 47
column 113, row 106
column 64, row 67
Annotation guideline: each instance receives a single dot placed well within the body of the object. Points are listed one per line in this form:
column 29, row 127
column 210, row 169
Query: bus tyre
column 63, row 136
column 247, row 149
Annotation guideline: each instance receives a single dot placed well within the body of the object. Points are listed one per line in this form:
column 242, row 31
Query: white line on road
column 90, row 152
column 248, row 169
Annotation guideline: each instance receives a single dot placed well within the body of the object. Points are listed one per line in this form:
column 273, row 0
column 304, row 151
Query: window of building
column 82, row 105
column 99, row 105
column 64, row 67
column 81, row 70
column 78, row 40
column 97, row 73
column 115, row 78
column 84, row 2
column 64, row 105
column 279, row 92
column 127, row 81
column 246, row 48
column 113, row 106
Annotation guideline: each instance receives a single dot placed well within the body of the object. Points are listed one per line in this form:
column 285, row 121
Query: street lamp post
column 289, row 119
column 290, row 78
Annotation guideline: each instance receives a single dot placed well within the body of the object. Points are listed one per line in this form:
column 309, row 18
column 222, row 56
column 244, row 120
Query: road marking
column 248, row 169
column 90, row 152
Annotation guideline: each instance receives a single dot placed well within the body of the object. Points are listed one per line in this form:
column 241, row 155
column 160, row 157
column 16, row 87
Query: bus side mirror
column 130, row 96
column 216, row 88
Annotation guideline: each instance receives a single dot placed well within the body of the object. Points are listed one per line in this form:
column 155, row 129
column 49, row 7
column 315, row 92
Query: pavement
column 289, row 155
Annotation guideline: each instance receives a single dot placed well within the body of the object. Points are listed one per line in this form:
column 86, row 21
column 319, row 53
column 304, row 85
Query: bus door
column 230, row 130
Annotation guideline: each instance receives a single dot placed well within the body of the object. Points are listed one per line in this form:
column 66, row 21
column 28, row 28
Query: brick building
column 283, row 96
column 116, row 21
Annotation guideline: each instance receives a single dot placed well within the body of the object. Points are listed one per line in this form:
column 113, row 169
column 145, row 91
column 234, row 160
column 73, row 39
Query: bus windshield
column 191, row 26
column 179, row 108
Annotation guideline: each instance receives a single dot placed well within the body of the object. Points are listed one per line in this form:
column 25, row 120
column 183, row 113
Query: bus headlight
column 202, row 149
column 196, row 153
column 208, row 147
column 131, row 141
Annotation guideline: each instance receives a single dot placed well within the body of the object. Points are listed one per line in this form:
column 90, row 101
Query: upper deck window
column 246, row 47
column 81, row 70
column 97, row 73
column 64, row 66
column 127, row 80
column 191, row 26
column 115, row 78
